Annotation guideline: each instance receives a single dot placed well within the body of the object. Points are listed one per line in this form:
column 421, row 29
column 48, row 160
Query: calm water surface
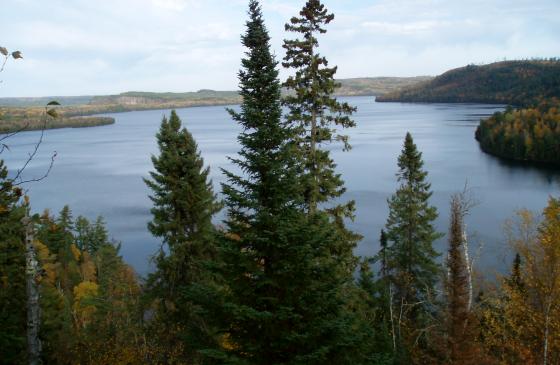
column 99, row 170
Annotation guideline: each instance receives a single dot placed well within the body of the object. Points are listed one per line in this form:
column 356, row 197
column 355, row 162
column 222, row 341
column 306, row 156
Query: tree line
column 278, row 282
column 529, row 134
column 522, row 83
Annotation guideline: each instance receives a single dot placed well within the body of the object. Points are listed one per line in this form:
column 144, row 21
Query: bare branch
column 4, row 64
column 44, row 176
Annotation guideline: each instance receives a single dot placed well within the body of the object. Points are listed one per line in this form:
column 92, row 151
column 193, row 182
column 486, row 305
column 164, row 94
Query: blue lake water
column 99, row 171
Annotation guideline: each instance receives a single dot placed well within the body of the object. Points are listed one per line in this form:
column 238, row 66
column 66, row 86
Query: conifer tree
column 184, row 204
column 411, row 264
column 515, row 281
column 12, row 273
column 90, row 237
column 410, row 231
column 314, row 110
column 373, row 308
column 286, row 302
column 315, row 114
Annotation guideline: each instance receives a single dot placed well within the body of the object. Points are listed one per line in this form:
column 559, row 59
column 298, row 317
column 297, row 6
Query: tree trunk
column 546, row 333
column 393, row 334
column 469, row 268
column 33, row 309
column 314, row 187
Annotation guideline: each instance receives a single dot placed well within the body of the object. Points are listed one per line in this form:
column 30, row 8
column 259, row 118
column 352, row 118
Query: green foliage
column 410, row 232
column 510, row 82
column 276, row 285
column 410, row 265
column 374, row 297
column 90, row 299
column 182, row 195
column 314, row 110
column 286, row 281
column 184, row 204
column 530, row 134
column 90, row 237
column 13, row 316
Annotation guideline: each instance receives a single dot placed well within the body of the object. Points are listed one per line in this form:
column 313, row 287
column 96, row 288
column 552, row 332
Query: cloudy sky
column 86, row 47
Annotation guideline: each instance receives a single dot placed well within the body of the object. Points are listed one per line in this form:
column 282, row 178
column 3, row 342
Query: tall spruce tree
column 410, row 255
column 286, row 302
column 184, row 204
column 314, row 110
column 315, row 114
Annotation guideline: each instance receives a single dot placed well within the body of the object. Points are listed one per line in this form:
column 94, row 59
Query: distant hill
column 27, row 113
column 518, row 83
column 140, row 100
column 187, row 98
column 25, row 102
column 375, row 86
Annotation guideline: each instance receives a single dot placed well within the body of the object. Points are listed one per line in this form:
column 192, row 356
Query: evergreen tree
column 373, row 308
column 411, row 264
column 315, row 113
column 286, row 303
column 90, row 237
column 515, row 281
column 314, row 110
column 13, row 316
column 184, row 204
column 56, row 233
column 378, row 301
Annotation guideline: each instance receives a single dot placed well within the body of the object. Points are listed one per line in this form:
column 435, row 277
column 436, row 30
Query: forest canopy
column 530, row 134
column 519, row 83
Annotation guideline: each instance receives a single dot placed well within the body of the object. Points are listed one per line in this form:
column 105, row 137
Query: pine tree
column 13, row 298
column 286, row 303
column 314, row 110
column 411, row 264
column 184, row 204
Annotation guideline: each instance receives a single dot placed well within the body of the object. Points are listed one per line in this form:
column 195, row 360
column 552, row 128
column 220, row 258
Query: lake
column 99, row 171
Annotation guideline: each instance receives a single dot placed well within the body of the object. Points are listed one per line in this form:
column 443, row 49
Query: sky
column 93, row 47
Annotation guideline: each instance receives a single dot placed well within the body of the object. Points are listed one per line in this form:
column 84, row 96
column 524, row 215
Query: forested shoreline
column 521, row 83
column 530, row 134
column 277, row 282
column 26, row 114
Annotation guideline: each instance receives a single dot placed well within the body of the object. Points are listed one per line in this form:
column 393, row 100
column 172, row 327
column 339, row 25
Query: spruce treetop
column 313, row 110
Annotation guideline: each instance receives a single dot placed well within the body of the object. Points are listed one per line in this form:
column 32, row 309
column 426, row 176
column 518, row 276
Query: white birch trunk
column 469, row 264
column 33, row 309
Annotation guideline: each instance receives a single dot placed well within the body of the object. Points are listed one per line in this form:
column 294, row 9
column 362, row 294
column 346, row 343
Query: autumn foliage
column 531, row 134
